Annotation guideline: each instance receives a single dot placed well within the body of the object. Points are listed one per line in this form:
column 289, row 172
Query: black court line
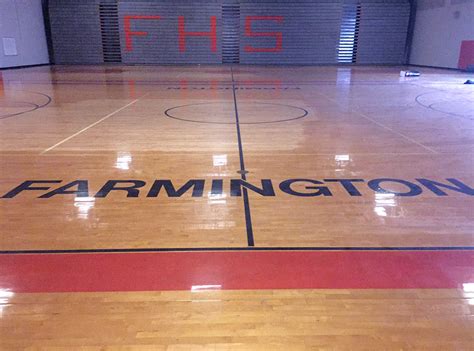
column 176, row 84
column 169, row 115
column 209, row 249
column 36, row 106
column 417, row 100
column 243, row 171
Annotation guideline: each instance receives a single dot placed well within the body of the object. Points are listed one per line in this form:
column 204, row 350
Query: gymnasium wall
column 441, row 26
column 22, row 34
column 229, row 31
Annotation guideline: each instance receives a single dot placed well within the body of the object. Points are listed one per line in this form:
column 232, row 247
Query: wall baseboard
column 425, row 66
column 25, row 66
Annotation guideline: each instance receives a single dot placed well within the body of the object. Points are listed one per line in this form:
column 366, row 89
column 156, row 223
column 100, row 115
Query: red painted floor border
column 236, row 270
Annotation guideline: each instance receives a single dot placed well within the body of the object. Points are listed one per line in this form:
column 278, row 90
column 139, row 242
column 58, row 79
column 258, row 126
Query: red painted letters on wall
column 182, row 34
column 128, row 31
column 212, row 34
column 277, row 35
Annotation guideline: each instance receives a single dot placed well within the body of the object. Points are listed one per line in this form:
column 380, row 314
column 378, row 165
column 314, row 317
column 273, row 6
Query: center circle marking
column 224, row 113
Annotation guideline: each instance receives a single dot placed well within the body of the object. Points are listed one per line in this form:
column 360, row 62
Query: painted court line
column 398, row 133
column 89, row 126
column 236, row 248
column 384, row 126
column 236, row 270
column 243, row 171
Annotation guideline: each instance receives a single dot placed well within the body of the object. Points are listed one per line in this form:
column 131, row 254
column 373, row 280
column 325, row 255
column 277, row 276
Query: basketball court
column 236, row 207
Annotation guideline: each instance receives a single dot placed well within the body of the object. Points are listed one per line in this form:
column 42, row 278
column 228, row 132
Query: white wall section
column 440, row 27
column 22, row 34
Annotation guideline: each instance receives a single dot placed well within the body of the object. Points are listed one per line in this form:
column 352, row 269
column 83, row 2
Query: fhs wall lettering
column 130, row 21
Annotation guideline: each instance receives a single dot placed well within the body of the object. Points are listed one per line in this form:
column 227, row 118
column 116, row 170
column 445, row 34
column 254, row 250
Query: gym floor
column 235, row 208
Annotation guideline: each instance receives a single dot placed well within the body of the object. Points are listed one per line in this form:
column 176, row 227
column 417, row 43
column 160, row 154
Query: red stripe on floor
column 236, row 270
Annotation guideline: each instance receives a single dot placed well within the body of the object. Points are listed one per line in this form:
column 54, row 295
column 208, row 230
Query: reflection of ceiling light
column 84, row 204
column 380, row 211
column 344, row 75
column 219, row 160
column 5, row 296
column 214, row 225
column 342, row 158
column 385, row 200
column 216, row 198
column 382, row 201
column 341, row 161
column 124, row 159
column 6, row 293
column 197, row 288
column 468, row 287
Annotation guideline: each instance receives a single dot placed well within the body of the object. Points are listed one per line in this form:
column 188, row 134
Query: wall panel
column 310, row 31
column 75, row 31
column 161, row 44
column 383, row 31
column 230, row 31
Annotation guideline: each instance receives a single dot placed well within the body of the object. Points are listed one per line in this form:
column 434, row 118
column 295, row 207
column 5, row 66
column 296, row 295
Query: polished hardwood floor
column 241, row 320
column 93, row 140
